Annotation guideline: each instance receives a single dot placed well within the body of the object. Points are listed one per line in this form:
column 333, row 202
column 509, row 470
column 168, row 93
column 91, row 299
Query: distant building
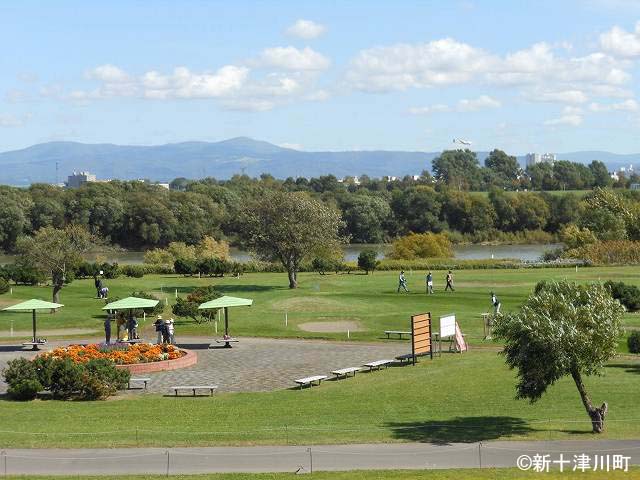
column 534, row 158
column 80, row 178
column 635, row 186
column 163, row 185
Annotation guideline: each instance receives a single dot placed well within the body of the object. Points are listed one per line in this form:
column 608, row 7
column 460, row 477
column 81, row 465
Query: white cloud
column 292, row 146
column 619, row 42
column 318, row 96
column 629, row 105
column 183, row 83
column 108, row 73
column 306, row 29
column 464, row 105
column 437, row 108
column 574, row 97
column 571, row 116
column 8, row 120
column 292, row 58
column 480, row 103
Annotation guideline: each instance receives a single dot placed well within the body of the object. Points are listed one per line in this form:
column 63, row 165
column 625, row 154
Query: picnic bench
column 407, row 357
column 310, row 381
column 227, row 342
column 146, row 380
column 34, row 345
column 378, row 364
column 131, row 341
column 193, row 388
column 400, row 333
column 345, row 372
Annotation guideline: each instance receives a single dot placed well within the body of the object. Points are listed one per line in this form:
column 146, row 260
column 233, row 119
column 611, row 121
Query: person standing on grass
column 159, row 325
column 429, row 283
column 496, row 304
column 449, row 282
column 402, row 282
column 98, row 283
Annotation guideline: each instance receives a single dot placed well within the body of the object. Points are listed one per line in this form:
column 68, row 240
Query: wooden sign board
column 421, row 335
column 461, row 344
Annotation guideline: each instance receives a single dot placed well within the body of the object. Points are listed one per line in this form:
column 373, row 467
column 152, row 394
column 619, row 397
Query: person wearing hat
column 171, row 332
column 159, row 324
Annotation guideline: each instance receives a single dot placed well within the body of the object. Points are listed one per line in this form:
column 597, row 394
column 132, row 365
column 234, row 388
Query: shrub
column 633, row 342
column 135, row 271
column 4, row 286
column 628, row 295
column 25, row 275
column 322, row 265
column 368, row 260
column 610, row 252
column 213, row 267
column 66, row 378
column 184, row 266
column 22, row 378
column 157, row 310
column 102, row 379
column 189, row 307
column 421, row 245
column 44, row 368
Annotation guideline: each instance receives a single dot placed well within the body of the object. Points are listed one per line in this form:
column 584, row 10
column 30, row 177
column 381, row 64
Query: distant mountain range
column 224, row 159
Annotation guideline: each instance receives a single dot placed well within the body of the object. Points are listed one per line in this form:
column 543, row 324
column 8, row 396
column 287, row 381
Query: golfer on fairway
column 402, row 282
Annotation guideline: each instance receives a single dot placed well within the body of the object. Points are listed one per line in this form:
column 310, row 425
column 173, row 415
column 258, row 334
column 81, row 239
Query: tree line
column 137, row 215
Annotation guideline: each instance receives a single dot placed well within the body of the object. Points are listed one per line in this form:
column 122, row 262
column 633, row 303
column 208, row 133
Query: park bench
column 227, row 342
column 310, row 381
column 34, row 345
column 378, row 364
column 131, row 341
column 146, row 380
column 345, row 372
column 407, row 357
column 400, row 333
column 193, row 388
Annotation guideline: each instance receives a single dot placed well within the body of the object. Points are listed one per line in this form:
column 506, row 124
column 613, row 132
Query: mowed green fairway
column 454, row 398
column 368, row 302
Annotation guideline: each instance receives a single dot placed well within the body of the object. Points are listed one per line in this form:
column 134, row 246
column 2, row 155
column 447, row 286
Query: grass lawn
column 370, row 301
column 452, row 474
column 454, row 398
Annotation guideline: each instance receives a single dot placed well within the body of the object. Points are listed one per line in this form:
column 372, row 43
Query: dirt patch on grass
column 335, row 326
column 312, row 304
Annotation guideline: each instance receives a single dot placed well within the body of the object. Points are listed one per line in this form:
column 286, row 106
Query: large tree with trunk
column 56, row 252
column 563, row 329
column 288, row 227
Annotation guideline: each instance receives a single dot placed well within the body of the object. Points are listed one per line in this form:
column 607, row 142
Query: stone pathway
column 253, row 364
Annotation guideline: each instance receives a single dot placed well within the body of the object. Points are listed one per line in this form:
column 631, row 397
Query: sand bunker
column 332, row 327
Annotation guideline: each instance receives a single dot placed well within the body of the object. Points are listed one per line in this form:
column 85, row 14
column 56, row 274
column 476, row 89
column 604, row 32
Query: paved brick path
column 255, row 364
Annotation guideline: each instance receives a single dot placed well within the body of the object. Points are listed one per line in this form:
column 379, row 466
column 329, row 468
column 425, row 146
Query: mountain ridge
column 196, row 159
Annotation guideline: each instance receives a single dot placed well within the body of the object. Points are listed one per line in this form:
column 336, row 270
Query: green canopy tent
column 131, row 303
column 226, row 302
column 33, row 305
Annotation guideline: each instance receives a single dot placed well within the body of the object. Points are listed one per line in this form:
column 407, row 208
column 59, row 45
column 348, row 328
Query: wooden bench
column 146, row 380
column 310, row 381
column 378, row 364
column 193, row 388
column 400, row 333
column 227, row 342
column 132, row 341
column 407, row 357
column 345, row 372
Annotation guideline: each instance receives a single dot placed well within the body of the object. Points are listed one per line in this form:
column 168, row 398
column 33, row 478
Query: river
column 351, row 252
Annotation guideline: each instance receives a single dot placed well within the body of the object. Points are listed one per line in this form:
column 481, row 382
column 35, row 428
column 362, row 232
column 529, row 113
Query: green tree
column 56, row 252
column 365, row 215
column 287, row 227
column 458, row 169
column 506, row 167
column 562, row 329
column 601, row 177
column 417, row 209
column 368, row 260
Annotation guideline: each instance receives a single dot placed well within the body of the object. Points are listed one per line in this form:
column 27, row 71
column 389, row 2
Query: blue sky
column 325, row 75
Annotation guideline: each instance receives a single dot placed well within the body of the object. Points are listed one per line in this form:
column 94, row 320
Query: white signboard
column 447, row 326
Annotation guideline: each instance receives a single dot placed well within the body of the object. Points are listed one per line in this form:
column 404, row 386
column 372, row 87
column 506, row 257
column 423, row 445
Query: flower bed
column 120, row 354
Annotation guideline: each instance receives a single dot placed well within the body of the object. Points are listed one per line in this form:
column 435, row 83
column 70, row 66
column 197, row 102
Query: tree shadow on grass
column 628, row 367
column 13, row 348
column 223, row 288
column 460, row 429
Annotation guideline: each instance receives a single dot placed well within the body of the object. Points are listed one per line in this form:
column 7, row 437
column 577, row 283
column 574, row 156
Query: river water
column 351, row 252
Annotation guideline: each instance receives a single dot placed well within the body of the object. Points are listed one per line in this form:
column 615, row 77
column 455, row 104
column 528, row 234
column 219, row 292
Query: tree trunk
column 596, row 414
column 56, row 292
column 293, row 280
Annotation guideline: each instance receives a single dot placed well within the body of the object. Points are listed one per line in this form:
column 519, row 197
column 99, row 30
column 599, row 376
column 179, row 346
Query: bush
column 421, row 245
column 4, row 286
column 610, row 252
column 189, row 307
column 135, row 271
column 628, row 295
column 101, row 379
column 323, row 265
column 22, row 378
column 25, row 275
column 157, row 310
column 213, row 267
column 368, row 260
column 93, row 269
column 66, row 378
column 185, row 267
column 633, row 342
